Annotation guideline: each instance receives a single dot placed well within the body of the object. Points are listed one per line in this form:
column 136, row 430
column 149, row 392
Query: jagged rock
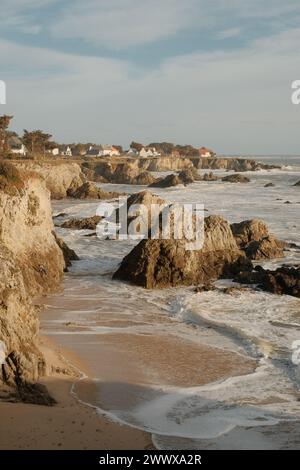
column 143, row 202
column 236, row 178
column 166, row 182
column 90, row 223
column 252, row 236
column 31, row 263
column 90, row 191
column 283, row 280
column 58, row 177
column 205, row 288
column 68, row 254
column 209, row 177
column 165, row 263
column 118, row 172
column 269, row 185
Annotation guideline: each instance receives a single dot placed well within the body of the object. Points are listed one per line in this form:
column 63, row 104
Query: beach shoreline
column 69, row 424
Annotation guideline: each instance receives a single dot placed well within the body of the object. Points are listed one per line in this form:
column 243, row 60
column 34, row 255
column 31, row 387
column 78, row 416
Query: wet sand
column 67, row 425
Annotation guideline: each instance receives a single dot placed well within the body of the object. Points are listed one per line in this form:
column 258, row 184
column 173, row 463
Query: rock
column 59, row 177
column 234, row 290
column 90, row 223
column 189, row 176
column 61, row 214
column 166, row 263
column 166, row 182
column 90, row 191
column 269, row 185
column 204, row 288
column 146, row 200
column 209, row 177
column 184, row 177
column 236, row 178
column 68, row 254
column 297, row 184
column 252, row 236
column 267, row 248
column 31, row 264
column 283, row 281
column 118, row 172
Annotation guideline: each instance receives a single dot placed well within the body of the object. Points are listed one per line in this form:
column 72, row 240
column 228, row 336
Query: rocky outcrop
column 236, row 178
column 60, row 178
column 31, row 263
column 166, row 182
column 89, row 190
column 230, row 164
column 184, row 177
column 253, row 237
column 165, row 163
column 118, row 172
column 68, row 254
column 165, row 263
column 209, row 177
column 282, row 281
column 89, row 223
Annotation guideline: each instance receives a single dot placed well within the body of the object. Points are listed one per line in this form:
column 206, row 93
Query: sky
column 203, row 72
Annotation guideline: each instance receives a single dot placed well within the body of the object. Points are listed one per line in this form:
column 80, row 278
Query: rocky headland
column 32, row 263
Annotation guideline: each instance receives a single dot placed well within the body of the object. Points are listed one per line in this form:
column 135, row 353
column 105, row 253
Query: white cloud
column 119, row 24
column 229, row 33
column 231, row 101
column 123, row 23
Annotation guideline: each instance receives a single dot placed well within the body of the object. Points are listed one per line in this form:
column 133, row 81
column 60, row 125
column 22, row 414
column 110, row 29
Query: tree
column 4, row 124
column 118, row 147
column 136, row 146
column 37, row 141
column 163, row 147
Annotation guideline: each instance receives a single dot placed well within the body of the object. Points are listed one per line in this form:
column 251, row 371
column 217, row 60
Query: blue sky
column 215, row 73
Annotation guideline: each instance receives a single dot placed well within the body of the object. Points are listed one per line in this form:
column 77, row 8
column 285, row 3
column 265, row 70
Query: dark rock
column 68, row 253
column 90, row 191
column 236, row 178
column 90, row 223
column 269, row 185
column 164, row 263
column 297, row 184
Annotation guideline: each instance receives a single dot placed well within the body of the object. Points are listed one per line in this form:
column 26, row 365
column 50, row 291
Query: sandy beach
column 68, row 424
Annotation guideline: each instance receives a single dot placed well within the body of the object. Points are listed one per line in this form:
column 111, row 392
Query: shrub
column 10, row 179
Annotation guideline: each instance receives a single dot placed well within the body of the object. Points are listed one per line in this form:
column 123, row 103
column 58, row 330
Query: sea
column 150, row 353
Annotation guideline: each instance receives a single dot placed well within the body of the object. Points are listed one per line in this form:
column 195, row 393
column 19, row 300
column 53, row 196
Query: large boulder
column 89, row 190
column 236, row 178
column 89, row 223
column 253, row 237
column 117, row 172
column 166, row 182
column 166, row 263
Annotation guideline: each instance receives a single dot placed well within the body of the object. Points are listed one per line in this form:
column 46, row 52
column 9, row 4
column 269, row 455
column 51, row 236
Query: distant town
column 39, row 144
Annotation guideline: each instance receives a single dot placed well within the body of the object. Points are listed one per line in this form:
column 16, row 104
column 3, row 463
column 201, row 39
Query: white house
column 148, row 152
column 102, row 151
column 16, row 146
column 205, row 153
column 65, row 150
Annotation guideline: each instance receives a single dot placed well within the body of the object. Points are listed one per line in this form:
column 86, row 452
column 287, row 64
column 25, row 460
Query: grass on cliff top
column 11, row 181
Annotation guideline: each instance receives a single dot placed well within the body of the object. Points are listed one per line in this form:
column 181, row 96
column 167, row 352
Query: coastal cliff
column 31, row 263
column 59, row 177
column 132, row 170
